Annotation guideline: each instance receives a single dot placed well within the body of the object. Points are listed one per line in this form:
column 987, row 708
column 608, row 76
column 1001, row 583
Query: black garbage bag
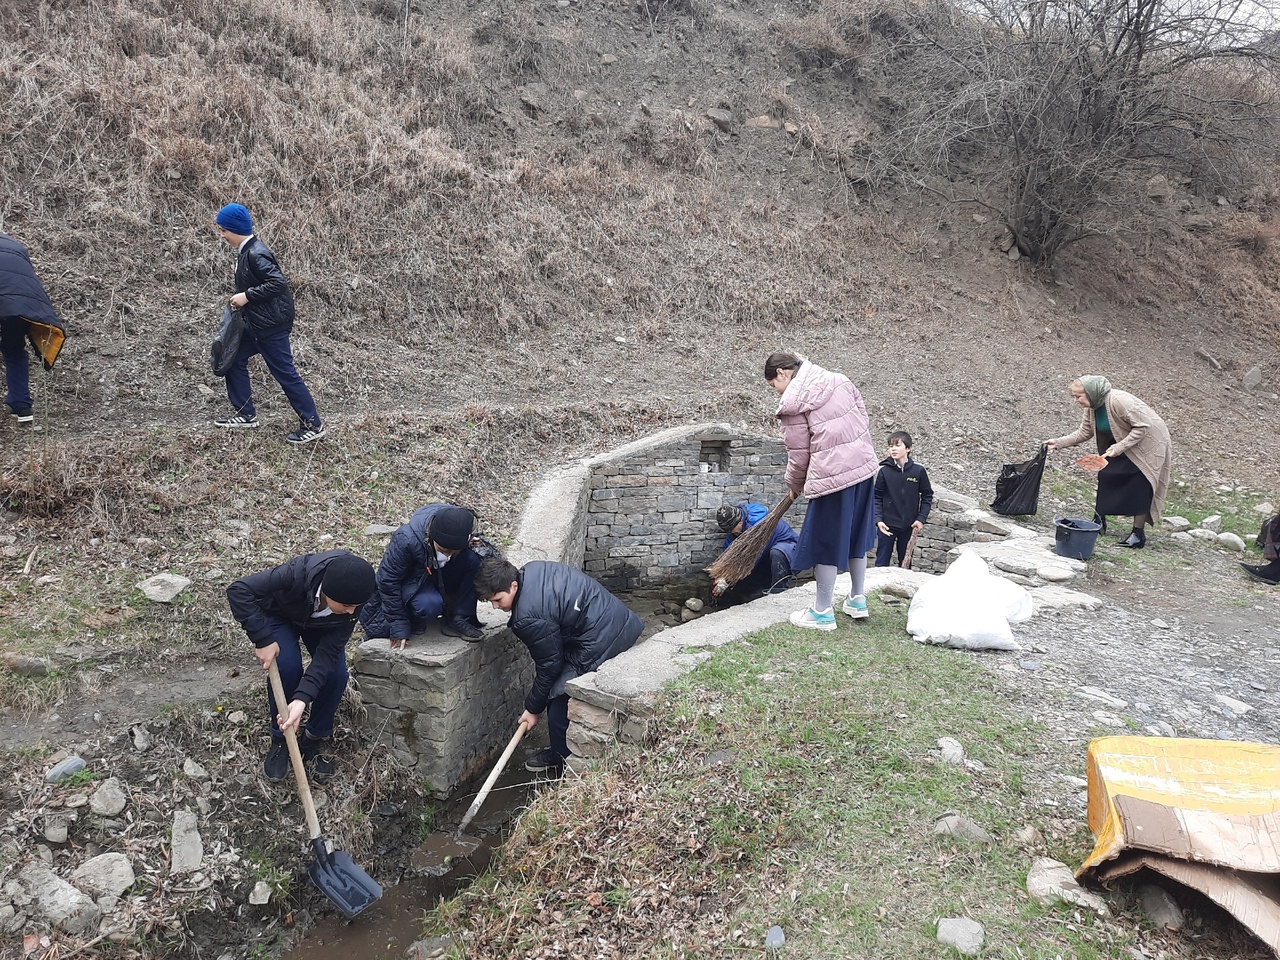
column 1018, row 486
column 226, row 342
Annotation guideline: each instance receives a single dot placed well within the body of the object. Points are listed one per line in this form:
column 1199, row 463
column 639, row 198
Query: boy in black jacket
column 903, row 498
column 263, row 293
column 308, row 601
column 571, row 625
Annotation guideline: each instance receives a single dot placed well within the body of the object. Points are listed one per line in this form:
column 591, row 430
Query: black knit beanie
column 451, row 528
column 348, row 579
column 728, row 517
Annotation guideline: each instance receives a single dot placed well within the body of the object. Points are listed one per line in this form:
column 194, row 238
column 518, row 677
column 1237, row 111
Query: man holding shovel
column 571, row 625
column 310, row 601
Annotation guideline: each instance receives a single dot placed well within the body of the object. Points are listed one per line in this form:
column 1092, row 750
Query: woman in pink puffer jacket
column 830, row 459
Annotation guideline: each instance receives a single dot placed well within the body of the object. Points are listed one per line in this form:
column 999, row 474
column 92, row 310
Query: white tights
column 824, row 574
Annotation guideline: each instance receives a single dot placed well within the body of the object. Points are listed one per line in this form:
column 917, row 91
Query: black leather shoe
column 462, row 627
column 1101, row 521
column 1134, row 541
column 1267, row 574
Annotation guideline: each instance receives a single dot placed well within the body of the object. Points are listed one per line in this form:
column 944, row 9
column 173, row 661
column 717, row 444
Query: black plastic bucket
column 1075, row 538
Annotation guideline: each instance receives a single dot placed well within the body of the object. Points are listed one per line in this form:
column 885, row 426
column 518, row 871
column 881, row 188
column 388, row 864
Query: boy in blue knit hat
column 263, row 293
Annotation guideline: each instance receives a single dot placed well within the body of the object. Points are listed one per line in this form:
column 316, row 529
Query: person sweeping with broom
column 831, row 460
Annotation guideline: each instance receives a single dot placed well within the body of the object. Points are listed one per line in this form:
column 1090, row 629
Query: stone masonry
column 640, row 516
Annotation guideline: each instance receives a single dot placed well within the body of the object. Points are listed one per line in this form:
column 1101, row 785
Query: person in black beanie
column 310, row 601
column 427, row 573
column 772, row 572
column 263, row 293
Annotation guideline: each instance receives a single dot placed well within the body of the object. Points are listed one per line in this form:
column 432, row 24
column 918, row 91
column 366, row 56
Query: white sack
column 968, row 608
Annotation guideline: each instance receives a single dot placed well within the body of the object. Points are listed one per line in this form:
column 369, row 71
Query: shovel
column 911, row 548
column 439, row 850
column 336, row 874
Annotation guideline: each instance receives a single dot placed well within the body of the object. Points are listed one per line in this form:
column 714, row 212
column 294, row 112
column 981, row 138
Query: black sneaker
column 22, row 414
column 277, row 764
column 462, row 627
column 319, row 765
column 239, row 421
column 545, row 761
column 1267, row 573
column 307, row 431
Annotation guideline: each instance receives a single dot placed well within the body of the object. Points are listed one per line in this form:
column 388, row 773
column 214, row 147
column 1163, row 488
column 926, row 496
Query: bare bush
column 1054, row 111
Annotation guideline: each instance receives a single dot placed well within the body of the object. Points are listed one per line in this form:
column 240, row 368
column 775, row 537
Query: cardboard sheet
column 1203, row 812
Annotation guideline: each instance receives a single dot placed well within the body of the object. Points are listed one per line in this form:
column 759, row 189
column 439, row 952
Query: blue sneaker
column 812, row 619
column 855, row 606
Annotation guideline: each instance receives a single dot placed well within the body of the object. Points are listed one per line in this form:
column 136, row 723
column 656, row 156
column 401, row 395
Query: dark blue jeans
column 885, row 545
column 13, row 343
column 289, row 661
column 558, row 724
column 458, row 577
column 278, row 356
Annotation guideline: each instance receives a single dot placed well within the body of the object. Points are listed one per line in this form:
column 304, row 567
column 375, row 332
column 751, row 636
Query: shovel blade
column 344, row 882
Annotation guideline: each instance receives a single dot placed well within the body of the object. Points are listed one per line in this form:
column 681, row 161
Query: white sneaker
column 855, row 606
column 812, row 619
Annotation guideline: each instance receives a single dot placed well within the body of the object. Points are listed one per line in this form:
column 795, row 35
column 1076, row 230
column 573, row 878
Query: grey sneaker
column 307, row 431
column 239, row 421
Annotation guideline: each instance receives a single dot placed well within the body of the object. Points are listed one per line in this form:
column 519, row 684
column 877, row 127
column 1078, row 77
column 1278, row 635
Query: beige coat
column 1139, row 433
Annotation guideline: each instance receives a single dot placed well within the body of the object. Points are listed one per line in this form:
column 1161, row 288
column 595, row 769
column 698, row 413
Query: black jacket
column 259, row 277
column 903, row 496
column 570, row 624
column 408, row 561
column 288, row 592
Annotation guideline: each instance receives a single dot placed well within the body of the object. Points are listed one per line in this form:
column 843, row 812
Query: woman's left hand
column 1111, row 452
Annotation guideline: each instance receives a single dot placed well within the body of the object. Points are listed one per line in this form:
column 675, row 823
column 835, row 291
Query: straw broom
column 740, row 559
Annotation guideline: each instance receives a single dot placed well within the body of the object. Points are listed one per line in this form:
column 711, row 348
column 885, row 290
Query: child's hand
column 292, row 717
column 916, row 526
column 267, row 655
column 883, row 528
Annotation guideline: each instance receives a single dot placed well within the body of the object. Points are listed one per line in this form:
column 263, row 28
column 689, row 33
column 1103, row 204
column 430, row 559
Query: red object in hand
column 1093, row 462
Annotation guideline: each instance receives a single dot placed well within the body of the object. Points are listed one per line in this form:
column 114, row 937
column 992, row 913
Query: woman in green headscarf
column 1135, row 442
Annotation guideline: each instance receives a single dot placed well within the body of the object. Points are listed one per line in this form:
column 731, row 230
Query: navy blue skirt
column 838, row 526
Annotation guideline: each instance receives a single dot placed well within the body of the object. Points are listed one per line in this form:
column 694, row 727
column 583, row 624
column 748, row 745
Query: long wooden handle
column 295, row 755
column 488, row 784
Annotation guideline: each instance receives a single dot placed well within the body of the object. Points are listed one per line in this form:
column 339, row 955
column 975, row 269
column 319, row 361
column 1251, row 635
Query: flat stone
column 187, row 846
column 1097, row 693
column 109, row 799
column 261, row 894
column 108, row 874
column 1055, row 597
column 163, row 587
column 952, row 751
column 1213, row 523
column 1238, row 707
column 1177, row 523
column 193, row 770
column 378, row 530
column 1231, row 541
column 1055, row 574
column 1050, row 880
column 55, row 829
column 962, row 828
column 59, row 902
column 967, row 936
column 1159, row 907
column 1203, row 533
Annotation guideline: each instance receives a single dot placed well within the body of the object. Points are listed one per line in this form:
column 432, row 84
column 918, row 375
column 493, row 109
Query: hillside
column 516, row 236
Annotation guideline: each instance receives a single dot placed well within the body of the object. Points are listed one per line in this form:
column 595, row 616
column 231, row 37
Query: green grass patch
column 796, row 781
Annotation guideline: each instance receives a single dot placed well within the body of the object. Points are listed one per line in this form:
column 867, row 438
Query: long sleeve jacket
column 903, row 494
column 288, row 593
column 824, row 425
column 259, row 277
column 570, row 623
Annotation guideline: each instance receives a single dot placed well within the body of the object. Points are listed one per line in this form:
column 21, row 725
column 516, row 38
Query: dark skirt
column 838, row 526
column 1122, row 489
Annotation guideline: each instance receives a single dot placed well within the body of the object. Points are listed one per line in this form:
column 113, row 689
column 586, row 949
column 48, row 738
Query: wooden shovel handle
column 493, row 776
column 295, row 756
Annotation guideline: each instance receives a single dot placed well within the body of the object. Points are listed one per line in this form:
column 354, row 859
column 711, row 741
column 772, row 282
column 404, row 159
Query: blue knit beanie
column 235, row 217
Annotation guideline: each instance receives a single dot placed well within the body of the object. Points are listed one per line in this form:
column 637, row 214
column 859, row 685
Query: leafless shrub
column 1052, row 112
column 832, row 37
column 1250, row 234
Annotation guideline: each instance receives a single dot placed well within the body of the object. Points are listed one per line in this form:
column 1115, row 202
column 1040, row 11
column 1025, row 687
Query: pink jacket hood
column 824, row 424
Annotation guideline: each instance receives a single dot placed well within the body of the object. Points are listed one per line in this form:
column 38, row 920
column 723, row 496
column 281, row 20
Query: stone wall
column 954, row 520
column 650, row 517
